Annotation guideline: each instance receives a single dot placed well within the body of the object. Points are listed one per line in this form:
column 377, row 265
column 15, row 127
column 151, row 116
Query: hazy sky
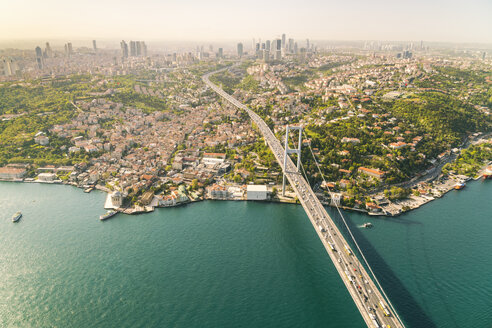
column 428, row 20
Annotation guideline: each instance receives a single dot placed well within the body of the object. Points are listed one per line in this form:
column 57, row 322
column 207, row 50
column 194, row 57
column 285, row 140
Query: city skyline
column 445, row 21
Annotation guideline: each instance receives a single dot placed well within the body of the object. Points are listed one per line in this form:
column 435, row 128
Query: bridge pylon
column 291, row 151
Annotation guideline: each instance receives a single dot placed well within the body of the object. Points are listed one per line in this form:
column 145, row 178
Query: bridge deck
column 367, row 297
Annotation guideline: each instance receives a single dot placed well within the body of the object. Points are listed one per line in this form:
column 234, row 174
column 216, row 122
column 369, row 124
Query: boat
column 488, row 173
column 459, row 186
column 16, row 217
column 367, row 225
column 107, row 215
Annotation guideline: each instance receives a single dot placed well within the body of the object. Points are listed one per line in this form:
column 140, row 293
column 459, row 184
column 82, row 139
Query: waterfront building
column 256, row 192
column 11, row 173
column 46, row 177
column 116, row 199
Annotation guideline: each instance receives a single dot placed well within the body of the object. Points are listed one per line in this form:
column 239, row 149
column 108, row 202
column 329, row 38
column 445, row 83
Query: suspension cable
column 353, row 238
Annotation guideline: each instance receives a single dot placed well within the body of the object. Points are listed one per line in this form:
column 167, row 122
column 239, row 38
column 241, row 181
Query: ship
column 367, row 225
column 459, row 186
column 16, row 217
column 107, row 215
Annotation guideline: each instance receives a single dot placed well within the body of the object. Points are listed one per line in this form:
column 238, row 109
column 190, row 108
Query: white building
column 116, row 199
column 46, row 177
column 42, row 140
column 256, row 192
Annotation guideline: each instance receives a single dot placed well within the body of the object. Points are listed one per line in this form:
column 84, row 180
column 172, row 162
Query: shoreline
column 415, row 202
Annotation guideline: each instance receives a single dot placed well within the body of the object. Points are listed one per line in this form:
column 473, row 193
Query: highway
column 367, row 297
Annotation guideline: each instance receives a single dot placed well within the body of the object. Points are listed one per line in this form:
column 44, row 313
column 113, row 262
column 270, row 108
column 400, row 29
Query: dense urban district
column 387, row 127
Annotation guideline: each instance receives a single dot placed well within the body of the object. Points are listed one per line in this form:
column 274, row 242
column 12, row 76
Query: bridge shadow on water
column 412, row 314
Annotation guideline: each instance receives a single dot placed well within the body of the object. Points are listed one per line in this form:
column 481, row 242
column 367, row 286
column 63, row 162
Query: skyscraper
column 267, row 45
column 283, row 41
column 124, row 49
column 94, row 45
column 133, row 48
column 68, row 49
column 278, row 49
column 139, row 48
column 144, row 49
column 240, row 50
column 221, row 53
column 48, row 53
column 39, row 57
column 9, row 67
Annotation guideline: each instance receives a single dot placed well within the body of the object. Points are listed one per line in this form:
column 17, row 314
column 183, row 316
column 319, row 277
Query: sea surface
column 233, row 264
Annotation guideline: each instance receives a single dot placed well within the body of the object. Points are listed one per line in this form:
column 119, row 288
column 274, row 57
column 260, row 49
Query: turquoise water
column 233, row 264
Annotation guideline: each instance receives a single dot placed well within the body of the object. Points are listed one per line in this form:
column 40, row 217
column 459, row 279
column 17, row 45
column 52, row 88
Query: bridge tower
column 291, row 151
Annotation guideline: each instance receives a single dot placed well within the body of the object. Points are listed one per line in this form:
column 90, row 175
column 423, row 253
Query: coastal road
column 373, row 306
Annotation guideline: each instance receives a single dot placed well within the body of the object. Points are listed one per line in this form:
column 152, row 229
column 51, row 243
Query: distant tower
column 8, row 67
column 144, row 49
column 94, row 46
column 278, row 49
column 39, row 57
column 268, row 45
column 68, row 49
column 47, row 51
column 124, row 49
column 139, row 48
column 283, row 41
column 221, row 53
column 240, row 50
column 133, row 49
column 307, row 44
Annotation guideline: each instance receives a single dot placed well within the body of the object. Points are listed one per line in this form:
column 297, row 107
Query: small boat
column 16, row 217
column 107, row 215
column 367, row 225
column 459, row 186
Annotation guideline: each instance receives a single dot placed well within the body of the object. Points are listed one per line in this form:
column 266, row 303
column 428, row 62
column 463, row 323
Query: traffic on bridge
column 375, row 309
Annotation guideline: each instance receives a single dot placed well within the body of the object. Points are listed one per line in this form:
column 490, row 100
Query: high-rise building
column 68, row 49
column 278, row 49
column 291, row 45
column 9, row 67
column 283, row 41
column 268, row 45
column 144, row 49
column 266, row 55
column 221, row 53
column 48, row 53
column 133, row 48
column 139, row 48
column 39, row 57
column 240, row 50
column 124, row 49
column 307, row 44
column 94, row 46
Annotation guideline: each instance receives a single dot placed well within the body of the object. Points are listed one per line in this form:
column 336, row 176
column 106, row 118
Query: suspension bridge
column 364, row 288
